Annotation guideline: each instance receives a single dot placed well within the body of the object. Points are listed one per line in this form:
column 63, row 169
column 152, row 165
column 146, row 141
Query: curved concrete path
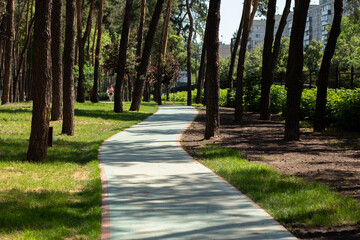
column 156, row 190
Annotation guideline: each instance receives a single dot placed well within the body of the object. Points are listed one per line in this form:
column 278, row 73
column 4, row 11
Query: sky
column 231, row 11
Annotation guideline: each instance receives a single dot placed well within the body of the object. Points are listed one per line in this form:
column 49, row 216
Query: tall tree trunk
column 69, row 61
column 241, row 62
column 294, row 81
column 270, row 56
column 81, row 45
column 22, row 58
column 80, row 97
column 56, row 55
column 10, row 8
column 22, row 93
column 319, row 124
column 141, row 75
column 201, row 71
column 280, row 31
column 88, row 28
column 162, row 52
column 212, row 72
column 141, row 28
column 97, row 54
column 93, row 44
column 118, row 105
column 267, row 70
column 188, row 63
column 235, row 50
column 42, row 78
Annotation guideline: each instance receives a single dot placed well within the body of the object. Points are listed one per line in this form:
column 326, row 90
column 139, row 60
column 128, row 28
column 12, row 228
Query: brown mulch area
column 331, row 160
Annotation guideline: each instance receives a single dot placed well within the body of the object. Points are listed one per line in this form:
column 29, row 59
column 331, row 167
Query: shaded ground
column 331, row 160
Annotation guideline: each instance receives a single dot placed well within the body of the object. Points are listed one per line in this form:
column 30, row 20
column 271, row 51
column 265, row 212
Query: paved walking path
column 156, row 191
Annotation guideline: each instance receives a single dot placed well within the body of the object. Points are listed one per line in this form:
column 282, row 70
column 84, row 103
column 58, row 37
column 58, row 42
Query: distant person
column 111, row 94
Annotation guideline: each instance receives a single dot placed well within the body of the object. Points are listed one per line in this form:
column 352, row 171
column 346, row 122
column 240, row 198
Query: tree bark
column 42, row 78
column 10, row 8
column 22, row 92
column 212, row 72
column 81, row 45
column 69, row 61
column 97, row 54
column 202, row 68
column 267, row 70
column 235, row 50
column 21, row 60
column 319, row 124
column 118, row 104
column 294, row 81
column 270, row 55
column 93, row 45
column 240, row 70
column 56, row 55
column 162, row 51
column 188, row 63
column 80, row 97
column 141, row 75
column 280, row 31
column 141, row 28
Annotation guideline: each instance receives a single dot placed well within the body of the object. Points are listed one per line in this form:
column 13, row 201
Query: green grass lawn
column 60, row 198
column 289, row 199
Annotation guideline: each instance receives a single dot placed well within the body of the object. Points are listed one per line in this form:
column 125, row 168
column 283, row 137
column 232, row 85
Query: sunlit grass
column 60, row 198
column 289, row 199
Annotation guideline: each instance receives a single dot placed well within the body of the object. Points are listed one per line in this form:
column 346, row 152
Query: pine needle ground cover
column 289, row 199
column 60, row 198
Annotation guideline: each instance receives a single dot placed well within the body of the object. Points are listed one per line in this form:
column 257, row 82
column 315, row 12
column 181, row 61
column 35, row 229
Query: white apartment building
column 257, row 33
column 319, row 17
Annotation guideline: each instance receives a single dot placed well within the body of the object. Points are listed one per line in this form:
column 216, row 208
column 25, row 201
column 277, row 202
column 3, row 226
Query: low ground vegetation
column 311, row 186
column 60, row 198
column 289, row 199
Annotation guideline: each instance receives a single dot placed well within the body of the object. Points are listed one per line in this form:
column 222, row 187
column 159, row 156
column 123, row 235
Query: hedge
column 342, row 108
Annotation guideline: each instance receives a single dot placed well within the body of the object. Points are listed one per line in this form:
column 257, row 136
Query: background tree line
column 134, row 40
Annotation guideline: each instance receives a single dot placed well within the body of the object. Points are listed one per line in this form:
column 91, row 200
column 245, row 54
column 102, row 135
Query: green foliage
column 313, row 55
column 308, row 104
column 281, row 62
column 88, row 76
column 176, row 46
column 253, row 62
column 278, row 99
column 289, row 199
column 224, row 66
column 347, row 51
column 342, row 109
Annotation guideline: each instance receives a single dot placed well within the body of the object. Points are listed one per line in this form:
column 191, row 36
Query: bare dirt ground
column 329, row 159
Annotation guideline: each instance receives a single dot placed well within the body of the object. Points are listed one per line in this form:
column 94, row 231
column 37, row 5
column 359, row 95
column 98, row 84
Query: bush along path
column 156, row 191
column 60, row 198
column 298, row 183
column 342, row 108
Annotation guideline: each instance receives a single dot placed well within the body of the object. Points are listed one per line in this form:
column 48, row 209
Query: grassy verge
column 289, row 199
column 61, row 198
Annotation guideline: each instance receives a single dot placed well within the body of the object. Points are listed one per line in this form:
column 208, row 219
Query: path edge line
column 105, row 207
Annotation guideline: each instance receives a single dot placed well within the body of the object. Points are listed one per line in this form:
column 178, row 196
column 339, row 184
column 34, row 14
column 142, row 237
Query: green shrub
column 342, row 109
column 308, row 104
column 278, row 99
